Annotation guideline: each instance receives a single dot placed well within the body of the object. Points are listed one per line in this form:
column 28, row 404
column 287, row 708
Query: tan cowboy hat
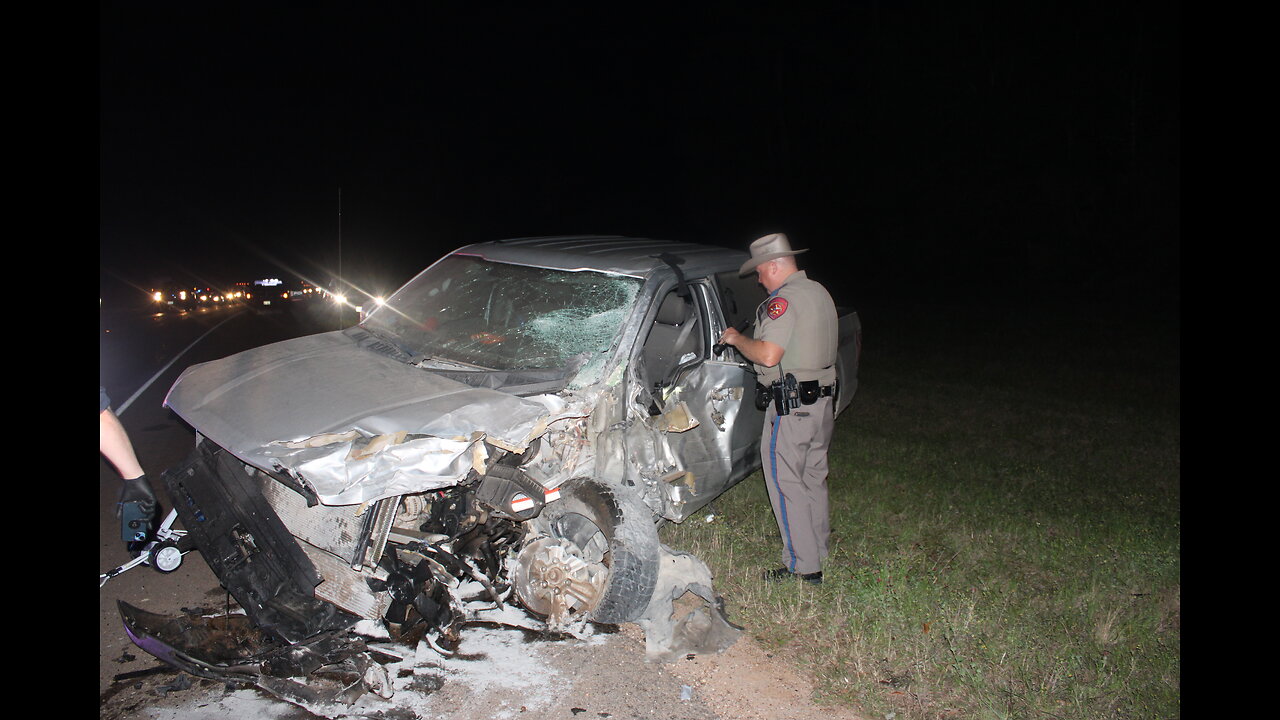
column 769, row 247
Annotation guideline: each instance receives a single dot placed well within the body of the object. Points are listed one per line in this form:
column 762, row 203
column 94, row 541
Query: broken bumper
column 248, row 547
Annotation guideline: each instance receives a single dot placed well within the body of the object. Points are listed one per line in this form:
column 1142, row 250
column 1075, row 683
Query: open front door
column 703, row 429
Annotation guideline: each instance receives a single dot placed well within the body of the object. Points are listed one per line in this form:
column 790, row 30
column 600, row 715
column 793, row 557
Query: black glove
column 137, row 490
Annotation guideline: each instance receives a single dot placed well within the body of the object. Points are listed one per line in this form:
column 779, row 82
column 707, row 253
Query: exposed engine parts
column 442, row 540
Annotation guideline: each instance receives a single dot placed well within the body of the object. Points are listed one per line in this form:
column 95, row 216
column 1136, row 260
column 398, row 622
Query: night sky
column 944, row 150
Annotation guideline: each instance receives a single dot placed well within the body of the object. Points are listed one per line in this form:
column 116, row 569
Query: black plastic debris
column 331, row 666
column 182, row 682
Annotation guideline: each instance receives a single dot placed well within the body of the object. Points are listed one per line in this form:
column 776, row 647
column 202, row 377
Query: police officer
column 794, row 353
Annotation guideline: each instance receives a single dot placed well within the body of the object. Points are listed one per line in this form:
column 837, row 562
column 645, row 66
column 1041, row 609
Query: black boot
column 781, row 574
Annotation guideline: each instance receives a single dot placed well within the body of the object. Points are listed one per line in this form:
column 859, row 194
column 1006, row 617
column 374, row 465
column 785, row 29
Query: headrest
column 674, row 310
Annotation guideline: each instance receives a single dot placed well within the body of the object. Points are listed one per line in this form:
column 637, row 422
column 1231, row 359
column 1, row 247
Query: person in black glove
column 116, row 447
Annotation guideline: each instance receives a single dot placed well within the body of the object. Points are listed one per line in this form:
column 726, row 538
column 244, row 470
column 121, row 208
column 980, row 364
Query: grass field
column 1005, row 523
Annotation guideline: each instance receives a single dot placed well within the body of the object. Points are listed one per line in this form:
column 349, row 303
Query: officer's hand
column 730, row 337
column 137, row 490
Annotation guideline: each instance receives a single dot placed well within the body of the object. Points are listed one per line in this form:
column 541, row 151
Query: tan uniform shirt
column 800, row 317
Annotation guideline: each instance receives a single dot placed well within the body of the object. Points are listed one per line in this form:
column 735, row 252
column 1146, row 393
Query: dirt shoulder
column 747, row 683
column 506, row 675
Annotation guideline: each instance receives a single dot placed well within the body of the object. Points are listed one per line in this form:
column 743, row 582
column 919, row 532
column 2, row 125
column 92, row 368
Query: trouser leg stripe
column 782, row 501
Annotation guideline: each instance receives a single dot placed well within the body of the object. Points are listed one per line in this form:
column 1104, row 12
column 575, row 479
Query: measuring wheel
column 165, row 556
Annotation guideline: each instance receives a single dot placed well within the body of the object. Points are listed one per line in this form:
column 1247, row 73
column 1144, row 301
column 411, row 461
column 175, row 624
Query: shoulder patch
column 776, row 308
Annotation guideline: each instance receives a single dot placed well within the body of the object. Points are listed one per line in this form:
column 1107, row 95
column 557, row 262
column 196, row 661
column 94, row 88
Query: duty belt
column 790, row 393
column 811, row 389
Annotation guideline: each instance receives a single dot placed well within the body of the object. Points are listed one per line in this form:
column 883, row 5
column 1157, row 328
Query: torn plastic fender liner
column 700, row 626
column 248, row 547
column 512, row 493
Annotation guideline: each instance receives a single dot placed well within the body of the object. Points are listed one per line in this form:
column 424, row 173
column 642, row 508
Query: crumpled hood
column 272, row 406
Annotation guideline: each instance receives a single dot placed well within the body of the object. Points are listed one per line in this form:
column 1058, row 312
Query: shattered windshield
column 505, row 317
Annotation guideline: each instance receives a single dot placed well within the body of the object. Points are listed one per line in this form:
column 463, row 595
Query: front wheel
column 592, row 555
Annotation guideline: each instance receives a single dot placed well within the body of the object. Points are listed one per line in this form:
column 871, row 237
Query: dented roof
column 636, row 257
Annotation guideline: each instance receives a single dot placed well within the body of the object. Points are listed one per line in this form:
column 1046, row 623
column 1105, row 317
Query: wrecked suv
column 510, row 425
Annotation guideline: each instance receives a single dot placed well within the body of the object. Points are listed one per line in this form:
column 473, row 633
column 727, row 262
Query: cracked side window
column 499, row 316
